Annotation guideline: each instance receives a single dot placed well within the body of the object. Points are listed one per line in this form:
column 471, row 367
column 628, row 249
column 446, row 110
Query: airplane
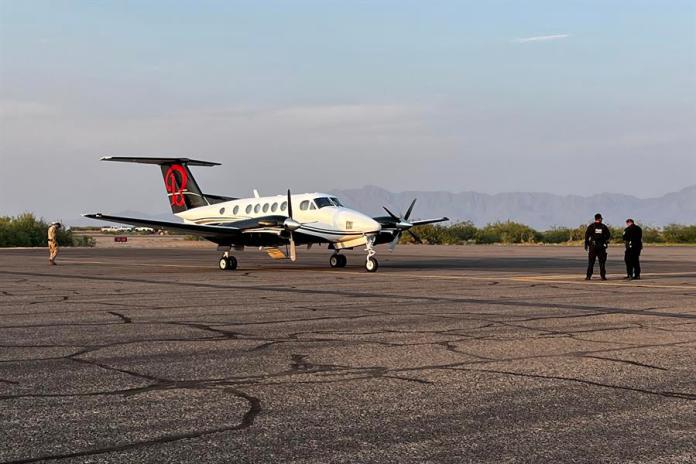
column 268, row 222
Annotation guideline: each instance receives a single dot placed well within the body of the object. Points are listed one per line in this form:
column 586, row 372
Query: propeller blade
column 293, row 249
column 410, row 208
column 415, row 237
column 429, row 221
column 289, row 205
column 394, row 242
column 394, row 216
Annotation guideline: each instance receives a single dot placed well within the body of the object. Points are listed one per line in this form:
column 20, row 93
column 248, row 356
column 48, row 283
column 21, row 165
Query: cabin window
column 322, row 202
column 274, row 207
column 257, row 207
column 284, row 206
column 248, row 209
column 265, row 207
column 304, row 205
column 222, row 211
column 235, row 210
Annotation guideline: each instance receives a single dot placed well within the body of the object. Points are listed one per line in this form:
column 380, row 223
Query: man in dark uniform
column 597, row 238
column 633, row 238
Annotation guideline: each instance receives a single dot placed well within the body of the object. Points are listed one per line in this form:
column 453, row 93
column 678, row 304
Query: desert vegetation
column 26, row 230
column 510, row 232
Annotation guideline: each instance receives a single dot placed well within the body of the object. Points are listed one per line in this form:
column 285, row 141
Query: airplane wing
column 243, row 232
column 214, row 233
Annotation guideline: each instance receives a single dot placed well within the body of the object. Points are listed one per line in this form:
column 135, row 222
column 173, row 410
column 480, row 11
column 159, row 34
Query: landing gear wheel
column 371, row 265
column 227, row 263
column 334, row 261
column 337, row 260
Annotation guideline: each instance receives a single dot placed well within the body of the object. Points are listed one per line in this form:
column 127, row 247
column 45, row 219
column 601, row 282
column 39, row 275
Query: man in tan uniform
column 53, row 242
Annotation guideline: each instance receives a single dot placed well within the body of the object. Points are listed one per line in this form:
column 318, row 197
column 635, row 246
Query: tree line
column 26, row 230
column 513, row 232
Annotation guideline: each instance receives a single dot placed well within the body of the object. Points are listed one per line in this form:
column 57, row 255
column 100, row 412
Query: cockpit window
column 323, row 201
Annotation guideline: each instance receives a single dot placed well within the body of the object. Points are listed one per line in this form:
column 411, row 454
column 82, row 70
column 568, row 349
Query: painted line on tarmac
column 117, row 263
column 603, row 283
column 651, row 274
column 536, row 280
column 540, row 279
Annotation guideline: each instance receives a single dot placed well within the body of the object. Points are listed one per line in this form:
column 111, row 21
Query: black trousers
column 597, row 253
column 632, row 259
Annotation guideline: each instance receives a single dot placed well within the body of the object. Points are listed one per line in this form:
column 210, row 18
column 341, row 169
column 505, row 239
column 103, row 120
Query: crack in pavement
column 666, row 394
column 341, row 293
column 247, row 420
column 626, row 361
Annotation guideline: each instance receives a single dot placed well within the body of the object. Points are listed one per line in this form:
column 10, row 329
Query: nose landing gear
column 371, row 263
column 227, row 262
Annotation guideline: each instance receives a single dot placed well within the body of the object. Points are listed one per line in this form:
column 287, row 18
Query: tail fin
column 182, row 188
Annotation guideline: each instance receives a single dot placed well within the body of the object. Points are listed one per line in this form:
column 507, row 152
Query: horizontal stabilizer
column 159, row 161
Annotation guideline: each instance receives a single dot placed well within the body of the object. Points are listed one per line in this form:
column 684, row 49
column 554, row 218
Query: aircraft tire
column 227, row 263
column 335, row 260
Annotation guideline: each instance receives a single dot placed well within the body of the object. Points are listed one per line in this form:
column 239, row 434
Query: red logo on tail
column 175, row 181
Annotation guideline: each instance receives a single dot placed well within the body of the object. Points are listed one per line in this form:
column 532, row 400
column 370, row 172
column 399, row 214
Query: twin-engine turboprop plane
column 268, row 222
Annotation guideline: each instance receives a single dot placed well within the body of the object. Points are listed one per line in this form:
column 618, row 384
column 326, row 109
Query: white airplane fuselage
column 267, row 222
column 331, row 222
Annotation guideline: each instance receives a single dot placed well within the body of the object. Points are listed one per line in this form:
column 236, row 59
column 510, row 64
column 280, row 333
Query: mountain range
column 539, row 210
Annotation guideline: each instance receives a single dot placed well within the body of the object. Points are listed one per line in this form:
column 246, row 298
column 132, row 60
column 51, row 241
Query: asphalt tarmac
column 446, row 355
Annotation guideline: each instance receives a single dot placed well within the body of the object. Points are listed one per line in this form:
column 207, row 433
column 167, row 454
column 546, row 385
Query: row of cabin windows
column 305, row 205
column 258, row 207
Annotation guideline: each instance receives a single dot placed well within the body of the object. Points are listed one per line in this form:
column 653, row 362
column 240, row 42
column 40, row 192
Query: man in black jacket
column 597, row 238
column 633, row 238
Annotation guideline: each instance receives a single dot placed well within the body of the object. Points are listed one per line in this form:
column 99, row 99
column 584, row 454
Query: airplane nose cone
column 371, row 225
column 358, row 222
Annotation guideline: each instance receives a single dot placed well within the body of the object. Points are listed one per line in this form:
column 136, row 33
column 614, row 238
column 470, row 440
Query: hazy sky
column 576, row 97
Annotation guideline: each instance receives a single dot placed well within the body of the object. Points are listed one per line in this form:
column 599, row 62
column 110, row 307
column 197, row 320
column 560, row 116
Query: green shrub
column 676, row 233
column 558, row 235
column 652, row 235
column 507, row 232
column 26, row 230
column 461, row 232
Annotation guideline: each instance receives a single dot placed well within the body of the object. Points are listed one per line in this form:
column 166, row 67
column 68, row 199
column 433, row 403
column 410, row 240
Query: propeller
column 402, row 225
column 291, row 225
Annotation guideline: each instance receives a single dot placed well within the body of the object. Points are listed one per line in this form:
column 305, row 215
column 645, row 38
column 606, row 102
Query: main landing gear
column 338, row 260
column 227, row 262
